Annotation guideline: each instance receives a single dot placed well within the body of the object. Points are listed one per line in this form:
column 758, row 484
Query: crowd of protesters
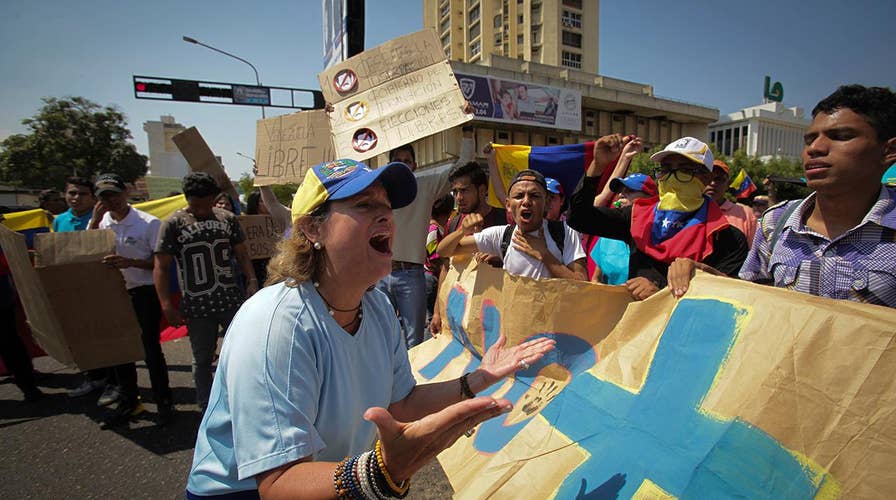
column 356, row 280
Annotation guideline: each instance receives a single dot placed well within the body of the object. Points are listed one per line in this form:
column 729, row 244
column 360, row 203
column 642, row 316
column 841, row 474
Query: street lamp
column 257, row 80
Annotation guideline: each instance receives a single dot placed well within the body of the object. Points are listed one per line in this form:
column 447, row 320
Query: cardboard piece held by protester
column 736, row 390
column 263, row 234
column 390, row 95
column 201, row 159
column 287, row 146
column 77, row 307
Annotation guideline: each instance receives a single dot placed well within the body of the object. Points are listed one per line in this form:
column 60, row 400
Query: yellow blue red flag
column 566, row 163
column 742, row 184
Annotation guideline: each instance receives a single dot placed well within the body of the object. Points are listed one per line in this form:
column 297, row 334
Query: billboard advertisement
column 523, row 103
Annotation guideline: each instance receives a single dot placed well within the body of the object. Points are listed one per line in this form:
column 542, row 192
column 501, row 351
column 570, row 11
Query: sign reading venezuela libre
column 735, row 390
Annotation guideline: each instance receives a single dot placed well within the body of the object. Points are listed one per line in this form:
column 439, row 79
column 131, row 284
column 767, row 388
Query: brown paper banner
column 735, row 390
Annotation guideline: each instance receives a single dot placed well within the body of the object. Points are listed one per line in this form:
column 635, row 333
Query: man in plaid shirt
column 839, row 242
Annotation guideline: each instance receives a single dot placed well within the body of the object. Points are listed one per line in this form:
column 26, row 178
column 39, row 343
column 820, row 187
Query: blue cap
column 553, row 185
column 340, row 179
column 635, row 182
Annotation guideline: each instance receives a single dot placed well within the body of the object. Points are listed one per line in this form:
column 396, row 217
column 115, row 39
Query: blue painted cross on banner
column 658, row 433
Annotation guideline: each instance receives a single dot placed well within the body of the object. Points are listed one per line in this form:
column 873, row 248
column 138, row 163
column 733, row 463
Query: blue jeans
column 406, row 289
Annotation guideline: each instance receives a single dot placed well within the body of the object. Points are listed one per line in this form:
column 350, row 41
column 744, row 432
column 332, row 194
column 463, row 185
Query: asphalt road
column 54, row 448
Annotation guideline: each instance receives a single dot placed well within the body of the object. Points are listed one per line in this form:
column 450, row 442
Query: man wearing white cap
column 682, row 222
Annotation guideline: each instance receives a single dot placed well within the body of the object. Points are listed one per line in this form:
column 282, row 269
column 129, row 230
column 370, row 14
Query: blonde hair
column 296, row 260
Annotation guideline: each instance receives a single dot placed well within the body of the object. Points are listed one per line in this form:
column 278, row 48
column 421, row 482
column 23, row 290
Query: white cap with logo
column 692, row 149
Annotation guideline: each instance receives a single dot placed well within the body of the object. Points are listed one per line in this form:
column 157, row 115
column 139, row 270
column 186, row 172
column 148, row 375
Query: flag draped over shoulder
column 29, row 223
column 743, row 186
column 566, row 163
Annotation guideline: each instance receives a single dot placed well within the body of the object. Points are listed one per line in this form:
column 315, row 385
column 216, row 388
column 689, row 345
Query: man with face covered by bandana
column 680, row 222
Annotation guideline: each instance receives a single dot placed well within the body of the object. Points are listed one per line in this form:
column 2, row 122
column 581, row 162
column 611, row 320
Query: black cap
column 529, row 175
column 109, row 182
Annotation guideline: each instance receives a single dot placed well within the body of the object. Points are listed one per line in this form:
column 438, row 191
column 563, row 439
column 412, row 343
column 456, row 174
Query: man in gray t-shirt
column 202, row 238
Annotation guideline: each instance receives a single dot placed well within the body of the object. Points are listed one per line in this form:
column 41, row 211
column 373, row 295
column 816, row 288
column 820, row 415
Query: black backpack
column 555, row 227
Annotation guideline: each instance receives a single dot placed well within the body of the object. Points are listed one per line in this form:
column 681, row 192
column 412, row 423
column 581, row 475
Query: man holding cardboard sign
column 136, row 233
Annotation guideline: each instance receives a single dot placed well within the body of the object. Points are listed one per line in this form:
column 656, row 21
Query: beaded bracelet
column 465, row 390
column 371, row 470
column 399, row 491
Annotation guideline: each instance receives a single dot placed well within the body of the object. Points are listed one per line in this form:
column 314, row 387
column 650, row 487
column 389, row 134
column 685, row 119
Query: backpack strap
column 779, row 225
column 506, row 238
column 558, row 232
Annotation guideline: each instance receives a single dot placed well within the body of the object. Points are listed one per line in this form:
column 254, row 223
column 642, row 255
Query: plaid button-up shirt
column 859, row 265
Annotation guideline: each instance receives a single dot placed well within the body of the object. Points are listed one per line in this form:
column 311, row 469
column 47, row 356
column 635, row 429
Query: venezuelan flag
column 163, row 207
column 743, row 186
column 28, row 222
column 566, row 163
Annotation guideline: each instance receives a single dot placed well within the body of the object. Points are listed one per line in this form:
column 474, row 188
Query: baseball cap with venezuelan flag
column 340, row 179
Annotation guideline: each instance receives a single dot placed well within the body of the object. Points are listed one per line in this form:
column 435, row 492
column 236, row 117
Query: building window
column 572, row 20
column 519, row 39
column 571, row 60
column 475, row 48
column 474, row 13
column 444, row 10
column 576, row 4
column 553, row 140
column 446, row 23
column 572, row 39
column 497, row 39
column 447, row 49
column 497, row 21
column 519, row 19
column 474, row 31
column 536, row 35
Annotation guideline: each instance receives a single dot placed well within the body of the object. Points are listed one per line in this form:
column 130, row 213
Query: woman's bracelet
column 364, row 477
column 465, row 390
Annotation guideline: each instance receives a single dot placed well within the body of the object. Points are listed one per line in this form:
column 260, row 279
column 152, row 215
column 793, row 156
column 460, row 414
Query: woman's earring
column 317, row 245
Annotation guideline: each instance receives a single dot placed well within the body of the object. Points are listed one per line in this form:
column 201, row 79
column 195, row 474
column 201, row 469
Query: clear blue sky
column 714, row 53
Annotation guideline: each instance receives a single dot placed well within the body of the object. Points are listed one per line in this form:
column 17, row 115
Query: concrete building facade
column 165, row 159
column 609, row 105
column 561, row 33
column 766, row 130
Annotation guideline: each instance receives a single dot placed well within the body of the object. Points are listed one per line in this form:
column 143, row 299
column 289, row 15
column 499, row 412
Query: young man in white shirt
column 531, row 246
column 136, row 234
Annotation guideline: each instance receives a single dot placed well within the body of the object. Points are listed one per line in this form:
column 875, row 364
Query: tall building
column 530, row 69
column 165, row 159
column 552, row 32
column 766, row 130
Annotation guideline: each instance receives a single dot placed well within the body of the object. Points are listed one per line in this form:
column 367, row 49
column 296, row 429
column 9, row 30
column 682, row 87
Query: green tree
column 283, row 192
column 70, row 136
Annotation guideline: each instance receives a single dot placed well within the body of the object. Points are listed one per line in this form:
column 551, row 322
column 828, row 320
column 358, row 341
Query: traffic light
column 172, row 89
column 178, row 90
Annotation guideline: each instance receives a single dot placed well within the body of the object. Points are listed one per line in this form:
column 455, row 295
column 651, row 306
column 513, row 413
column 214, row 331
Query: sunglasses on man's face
column 682, row 174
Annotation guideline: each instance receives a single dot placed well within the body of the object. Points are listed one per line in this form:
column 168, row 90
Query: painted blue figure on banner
column 656, row 433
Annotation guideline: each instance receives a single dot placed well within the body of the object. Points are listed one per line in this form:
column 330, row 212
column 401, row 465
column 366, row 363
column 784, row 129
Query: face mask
column 680, row 196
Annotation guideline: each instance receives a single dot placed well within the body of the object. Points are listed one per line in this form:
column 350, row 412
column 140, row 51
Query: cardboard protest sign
column 78, row 308
column 263, row 234
column 391, row 95
column 735, row 390
column 385, row 97
column 201, row 159
column 287, row 146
